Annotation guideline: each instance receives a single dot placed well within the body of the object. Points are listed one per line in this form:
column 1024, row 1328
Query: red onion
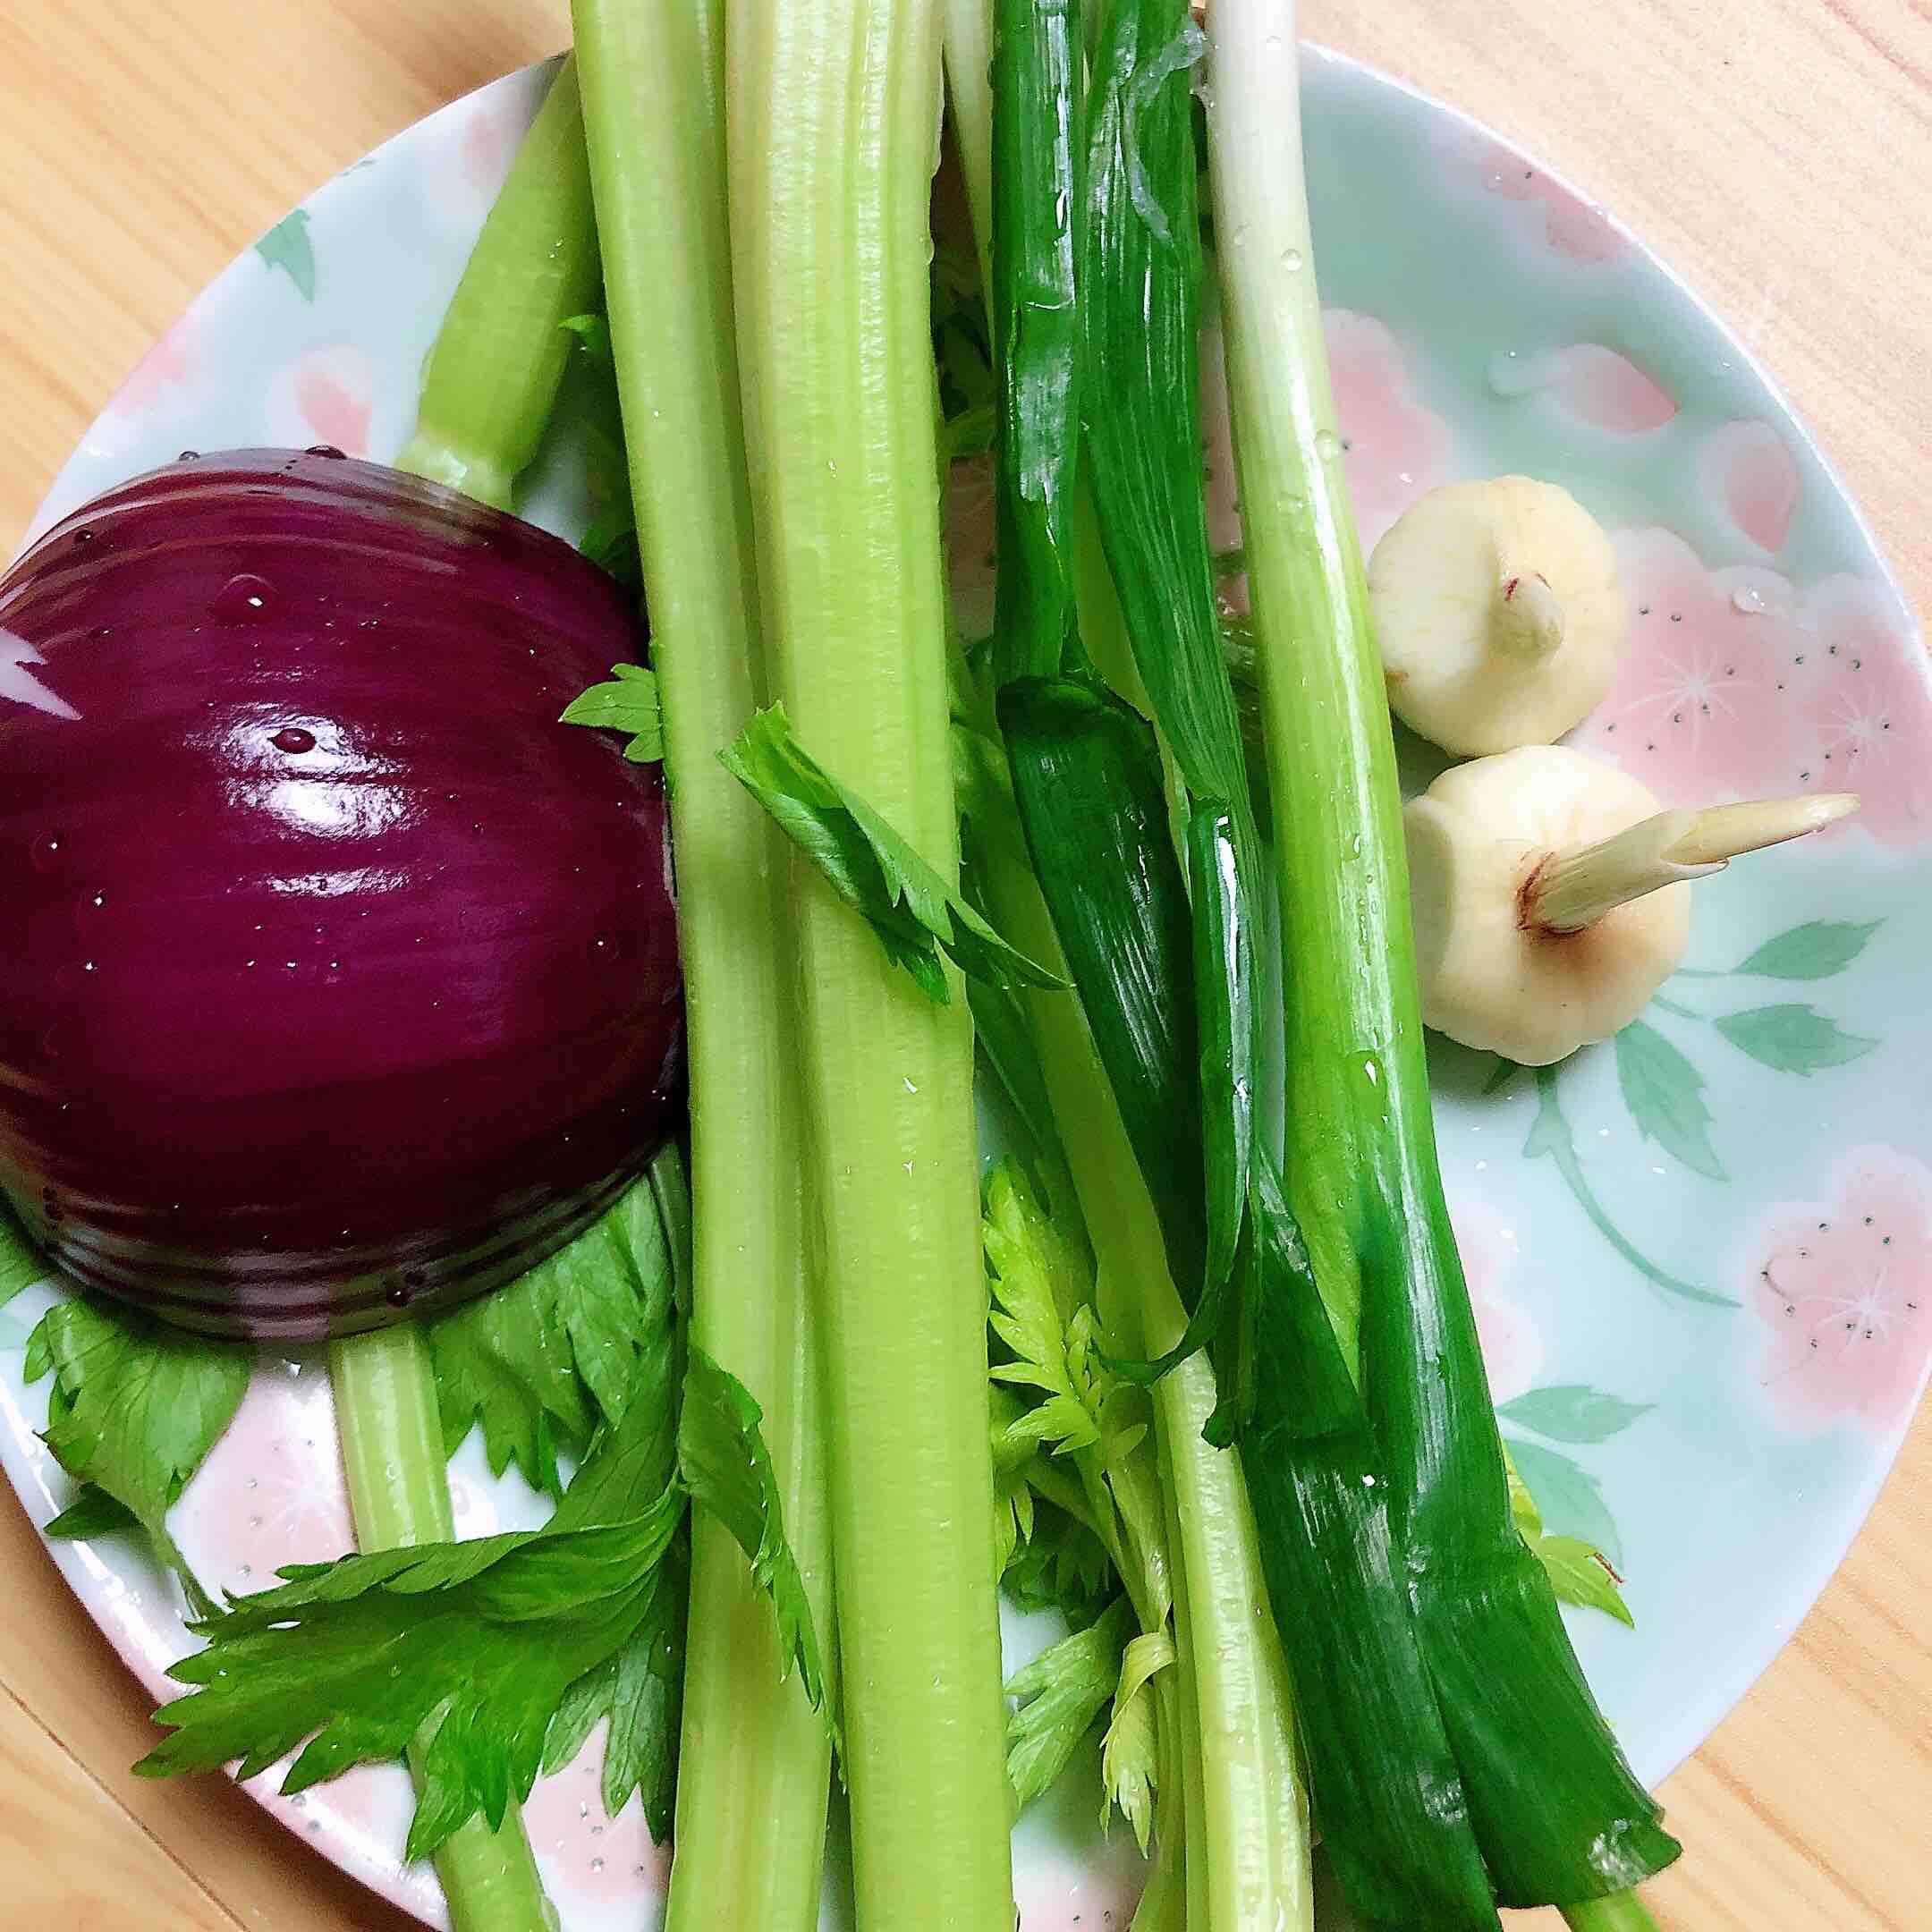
column 338, row 975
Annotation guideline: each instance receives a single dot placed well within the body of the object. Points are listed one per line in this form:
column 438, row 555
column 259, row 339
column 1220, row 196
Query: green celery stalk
column 493, row 374
column 832, row 111
column 1557, row 1813
column 969, row 55
column 391, row 1443
column 754, row 1767
column 491, row 382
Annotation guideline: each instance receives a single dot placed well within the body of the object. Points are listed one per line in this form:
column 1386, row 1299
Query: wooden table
column 1775, row 150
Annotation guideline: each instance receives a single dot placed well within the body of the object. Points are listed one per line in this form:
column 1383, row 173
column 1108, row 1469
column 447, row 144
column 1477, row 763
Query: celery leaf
column 915, row 913
column 540, row 1363
column 1057, row 1697
column 135, row 1408
column 628, row 703
column 728, row 1471
column 20, row 1265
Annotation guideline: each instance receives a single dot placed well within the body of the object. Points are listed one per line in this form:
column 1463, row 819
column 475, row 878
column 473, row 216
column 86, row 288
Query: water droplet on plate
column 1749, row 601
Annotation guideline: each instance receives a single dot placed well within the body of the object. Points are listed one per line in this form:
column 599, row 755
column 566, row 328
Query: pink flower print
column 271, row 1490
column 1571, row 225
column 1396, row 448
column 1096, row 1893
column 327, row 396
column 970, row 537
column 1701, row 709
column 1748, row 469
column 1595, row 385
column 172, row 360
column 1512, row 1342
column 1867, row 705
column 1609, row 392
column 582, row 1852
column 1845, row 1291
column 490, row 143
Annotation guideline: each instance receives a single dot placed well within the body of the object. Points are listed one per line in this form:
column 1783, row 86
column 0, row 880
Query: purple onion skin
column 337, row 977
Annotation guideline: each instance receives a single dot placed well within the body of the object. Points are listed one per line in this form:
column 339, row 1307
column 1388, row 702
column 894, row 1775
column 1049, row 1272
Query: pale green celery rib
column 754, row 1772
column 391, row 1445
column 493, row 374
column 487, row 392
column 834, row 113
column 1246, row 1808
column 969, row 61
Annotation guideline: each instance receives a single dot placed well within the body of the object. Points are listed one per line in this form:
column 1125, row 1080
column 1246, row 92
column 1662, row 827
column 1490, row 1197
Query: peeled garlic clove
column 1498, row 612
column 1551, row 896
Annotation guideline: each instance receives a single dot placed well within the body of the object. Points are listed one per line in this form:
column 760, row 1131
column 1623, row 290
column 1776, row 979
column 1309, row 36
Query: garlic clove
column 1551, row 896
column 1498, row 612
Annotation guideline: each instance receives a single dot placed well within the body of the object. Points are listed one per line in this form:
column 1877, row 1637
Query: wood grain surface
column 1775, row 151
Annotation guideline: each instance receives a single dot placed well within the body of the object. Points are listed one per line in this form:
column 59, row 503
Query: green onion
column 1559, row 1817
column 833, row 111
column 493, row 374
column 1230, row 1820
column 1141, row 269
column 754, row 1769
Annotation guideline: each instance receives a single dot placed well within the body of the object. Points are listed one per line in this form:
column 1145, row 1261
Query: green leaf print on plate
column 1817, row 950
column 286, row 246
column 1793, row 1038
column 1664, row 1094
column 1573, row 1412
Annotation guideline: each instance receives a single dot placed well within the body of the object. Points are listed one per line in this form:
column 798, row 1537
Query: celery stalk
column 392, row 1444
column 832, row 111
column 754, row 1767
column 489, row 390
column 969, row 56
column 493, row 374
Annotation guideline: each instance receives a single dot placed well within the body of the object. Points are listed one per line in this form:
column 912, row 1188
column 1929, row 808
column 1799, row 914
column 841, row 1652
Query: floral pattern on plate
column 1640, row 1226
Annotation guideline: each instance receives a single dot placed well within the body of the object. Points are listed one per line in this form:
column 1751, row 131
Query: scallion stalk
column 832, row 111
column 1228, row 1751
column 1553, row 1808
column 753, row 1779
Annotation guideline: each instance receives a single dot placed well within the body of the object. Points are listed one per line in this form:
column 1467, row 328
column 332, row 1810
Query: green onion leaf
column 1086, row 775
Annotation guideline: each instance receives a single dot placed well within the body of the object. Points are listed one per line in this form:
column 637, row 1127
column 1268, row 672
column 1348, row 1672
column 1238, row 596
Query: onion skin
column 339, row 977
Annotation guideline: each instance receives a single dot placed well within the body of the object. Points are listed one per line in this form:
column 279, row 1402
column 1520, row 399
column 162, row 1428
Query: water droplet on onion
column 245, row 598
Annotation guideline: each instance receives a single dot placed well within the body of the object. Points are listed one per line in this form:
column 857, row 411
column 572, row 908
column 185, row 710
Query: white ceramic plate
column 1702, row 1256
